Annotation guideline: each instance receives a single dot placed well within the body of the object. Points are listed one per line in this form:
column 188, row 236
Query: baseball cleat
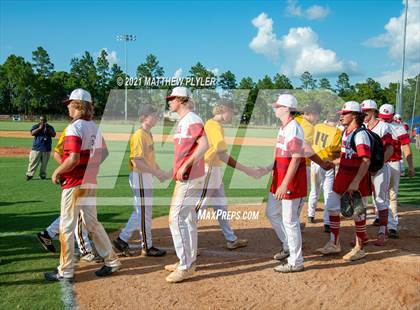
column 287, row 268
column 152, row 251
column 381, row 240
column 282, row 255
column 46, row 241
column 311, row 219
column 329, row 248
column 106, row 271
column 55, row 277
column 376, row 222
column 90, row 257
column 327, row 228
column 173, row 267
column 238, row 243
column 365, row 241
column 28, row 177
column 120, row 245
column 355, row 254
column 180, row 275
column 393, row 234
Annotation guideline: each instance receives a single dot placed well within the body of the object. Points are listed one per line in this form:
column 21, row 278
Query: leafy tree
column 324, row 83
column 282, row 82
column 369, row 90
column 308, row 82
column 42, row 63
column 84, row 71
column 227, row 80
column 103, row 76
column 150, row 68
column 248, row 83
column 343, row 83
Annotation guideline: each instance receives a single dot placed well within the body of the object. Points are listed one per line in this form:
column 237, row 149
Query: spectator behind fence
column 41, row 148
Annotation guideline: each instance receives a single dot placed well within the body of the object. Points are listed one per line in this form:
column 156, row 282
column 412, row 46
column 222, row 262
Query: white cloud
column 395, row 76
column 178, row 73
column 393, row 37
column 315, row 12
column 300, row 49
column 112, row 56
column 265, row 42
column 215, row 71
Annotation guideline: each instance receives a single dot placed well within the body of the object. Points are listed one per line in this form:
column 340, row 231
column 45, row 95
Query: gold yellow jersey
column 216, row 139
column 308, row 132
column 59, row 148
column 326, row 141
column 142, row 147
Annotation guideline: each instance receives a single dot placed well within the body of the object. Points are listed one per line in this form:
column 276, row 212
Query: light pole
column 126, row 38
column 400, row 104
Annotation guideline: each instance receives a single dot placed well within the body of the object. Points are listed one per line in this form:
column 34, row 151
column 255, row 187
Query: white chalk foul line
column 67, row 296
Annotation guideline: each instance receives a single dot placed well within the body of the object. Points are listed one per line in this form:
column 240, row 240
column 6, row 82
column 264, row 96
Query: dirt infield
column 388, row 278
column 6, row 151
column 250, row 141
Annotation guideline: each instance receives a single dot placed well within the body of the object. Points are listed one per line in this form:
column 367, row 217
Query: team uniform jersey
column 59, row 148
column 142, row 147
column 189, row 129
column 216, row 139
column 290, row 141
column 350, row 162
column 308, row 132
column 399, row 137
column 82, row 137
column 326, row 141
column 383, row 130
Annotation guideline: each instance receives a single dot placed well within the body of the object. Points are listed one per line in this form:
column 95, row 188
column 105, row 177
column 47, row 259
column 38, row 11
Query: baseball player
column 84, row 151
column 380, row 180
column 142, row 165
column 401, row 142
column 351, row 176
column 81, row 233
column 397, row 119
column 213, row 193
column 327, row 144
column 288, row 187
column 190, row 144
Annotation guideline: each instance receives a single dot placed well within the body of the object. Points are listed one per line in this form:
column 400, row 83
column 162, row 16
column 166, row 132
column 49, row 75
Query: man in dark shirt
column 41, row 148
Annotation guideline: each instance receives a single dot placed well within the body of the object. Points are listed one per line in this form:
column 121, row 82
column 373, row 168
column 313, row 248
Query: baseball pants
column 183, row 220
column 394, row 183
column 284, row 217
column 81, row 234
column 214, row 195
column 308, row 180
column 83, row 200
column 141, row 218
column 320, row 179
column 35, row 158
column 380, row 183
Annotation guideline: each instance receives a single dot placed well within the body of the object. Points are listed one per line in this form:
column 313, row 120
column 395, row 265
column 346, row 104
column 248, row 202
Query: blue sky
column 217, row 33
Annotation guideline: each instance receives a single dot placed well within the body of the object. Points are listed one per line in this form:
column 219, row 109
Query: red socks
column 334, row 227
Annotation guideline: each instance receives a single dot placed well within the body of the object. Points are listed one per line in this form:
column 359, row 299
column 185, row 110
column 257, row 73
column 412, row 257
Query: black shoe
column 376, row 222
column 43, row 177
column 106, row 271
column 311, row 219
column 46, row 241
column 153, row 252
column 28, row 177
column 53, row 276
column 393, row 234
column 120, row 245
column 327, row 228
column 282, row 255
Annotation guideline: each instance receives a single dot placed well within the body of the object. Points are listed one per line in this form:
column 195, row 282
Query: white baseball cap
column 369, row 105
column 386, row 111
column 286, row 100
column 179, row 92
column 79, row 94
column 350, row 106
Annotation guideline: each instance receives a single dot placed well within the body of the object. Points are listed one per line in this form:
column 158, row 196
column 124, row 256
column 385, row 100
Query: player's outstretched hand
column 55, row 178
column 411, row 172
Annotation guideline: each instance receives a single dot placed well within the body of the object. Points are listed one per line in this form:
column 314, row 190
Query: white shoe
column 88, row 257
column 180, row 275
column 173, row 267
column 355, row 254
column 329, row 248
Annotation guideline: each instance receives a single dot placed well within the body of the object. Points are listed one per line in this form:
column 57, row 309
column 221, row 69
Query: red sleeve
column 363, row 150
column 72, row 144
column 196, row 130
column 387, row 139
column 404, row 139
column 295, row 146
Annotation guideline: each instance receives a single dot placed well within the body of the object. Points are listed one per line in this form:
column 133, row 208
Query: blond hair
column 85, row 107
column 219, row 109
column 186, row 101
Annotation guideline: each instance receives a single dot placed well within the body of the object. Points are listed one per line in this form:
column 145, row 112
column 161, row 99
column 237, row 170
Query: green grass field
column 28, row 207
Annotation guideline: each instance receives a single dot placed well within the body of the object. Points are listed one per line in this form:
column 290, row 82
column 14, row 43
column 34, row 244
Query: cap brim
column 169, row 98
column 67, row 101
column 385, row 116
column 346, row 111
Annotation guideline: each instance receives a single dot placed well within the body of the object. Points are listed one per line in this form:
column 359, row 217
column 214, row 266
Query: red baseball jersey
column 350, row 161
column 82, row 137
column 399, row 137
column 190, row 128
column 290, row 142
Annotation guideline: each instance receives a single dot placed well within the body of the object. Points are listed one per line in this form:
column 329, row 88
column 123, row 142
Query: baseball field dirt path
column 388, row 278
